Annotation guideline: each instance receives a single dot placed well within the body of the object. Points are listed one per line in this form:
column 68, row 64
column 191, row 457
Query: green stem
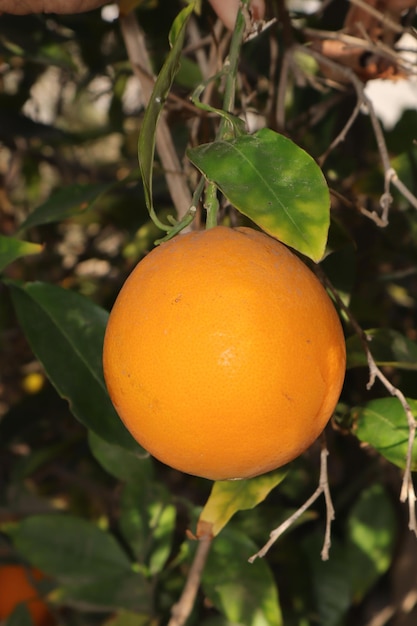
column 211, row 204
column 232, row 67
column 226, row 129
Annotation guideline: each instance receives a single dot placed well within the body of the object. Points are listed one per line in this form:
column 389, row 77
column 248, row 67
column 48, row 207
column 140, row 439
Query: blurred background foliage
column 70, row 114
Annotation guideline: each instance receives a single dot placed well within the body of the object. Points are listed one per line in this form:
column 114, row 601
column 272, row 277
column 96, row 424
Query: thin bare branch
column 323, row 488
column 390, row 174
column 385, row 20
column 407, row 488
column 181, row 611
column 134, row 39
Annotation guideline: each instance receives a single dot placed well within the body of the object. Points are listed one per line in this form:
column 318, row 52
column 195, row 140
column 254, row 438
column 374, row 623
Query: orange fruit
column 16, row 586
column 223, row 354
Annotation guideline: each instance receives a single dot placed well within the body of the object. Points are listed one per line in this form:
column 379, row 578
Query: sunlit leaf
column 228, row 497
column 12, row 249
column 278, row 185
column 388, row 347
column 372, row 530
column 382, row 424
column 244, row 593
column 147, row 522
column 65, row 331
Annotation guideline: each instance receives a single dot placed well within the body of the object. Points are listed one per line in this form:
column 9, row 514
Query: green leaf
column 124, row 464
column 67, row 202
column 389, row 347
column 227, row 497
column 372, row 531
column 244, row 593
column 147, row 522
column 66, row 331
column 330, row 585
column 275, row 183
column 12, row 249
column 163, row 83
column 68, row 548
column 128, row 618
column 120, row 590
column 19, row 617
column 382, row 424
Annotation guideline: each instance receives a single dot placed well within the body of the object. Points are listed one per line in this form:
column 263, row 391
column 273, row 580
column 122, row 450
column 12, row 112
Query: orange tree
column 122, row 127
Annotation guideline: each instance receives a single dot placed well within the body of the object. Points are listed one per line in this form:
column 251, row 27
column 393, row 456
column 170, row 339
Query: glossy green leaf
column 65, row 331
column 227, row 497
column 382, row 424
column 147, row 522
column 67, row 202
column 163, row 83
column 275, row 183
column 244, row 593
column 388, row 347
column 12, row 249
column 372, row 531
column 123, row 464
column 69, row 548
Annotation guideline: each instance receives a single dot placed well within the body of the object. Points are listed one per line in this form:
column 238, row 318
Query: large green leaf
column 90, row 567
column 330, row 585
column 68, row 548
column 245, row 593
column 388, row 347
column 372, row 530
column 227, row 497
column 163, row 83
column 126, row 465
column 66, row 332
column 382, row 424
column 66, row 202
column 120, row 590
column 147, row 522
column 278, row 185
column 12, row 249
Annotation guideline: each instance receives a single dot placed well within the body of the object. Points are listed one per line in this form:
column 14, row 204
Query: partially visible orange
column 224, row 355
column 17, row 586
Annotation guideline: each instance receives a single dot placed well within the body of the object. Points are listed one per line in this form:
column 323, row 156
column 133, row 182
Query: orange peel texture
column 224, row 355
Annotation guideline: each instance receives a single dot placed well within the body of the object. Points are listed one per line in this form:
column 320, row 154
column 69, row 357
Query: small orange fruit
column 223, row 354
column 17, row 586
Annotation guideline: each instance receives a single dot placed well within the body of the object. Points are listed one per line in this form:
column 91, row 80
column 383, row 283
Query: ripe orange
column 223, row 354
column 16, row 586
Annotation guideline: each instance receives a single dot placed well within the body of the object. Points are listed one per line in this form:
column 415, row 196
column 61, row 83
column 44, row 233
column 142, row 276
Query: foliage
column 112, row 528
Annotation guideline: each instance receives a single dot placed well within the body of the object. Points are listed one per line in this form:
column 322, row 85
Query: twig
column 390, row 174
column 136, row 49
column 407, row 488
column 385, row 20
column 323, row 488
column 181, row 611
